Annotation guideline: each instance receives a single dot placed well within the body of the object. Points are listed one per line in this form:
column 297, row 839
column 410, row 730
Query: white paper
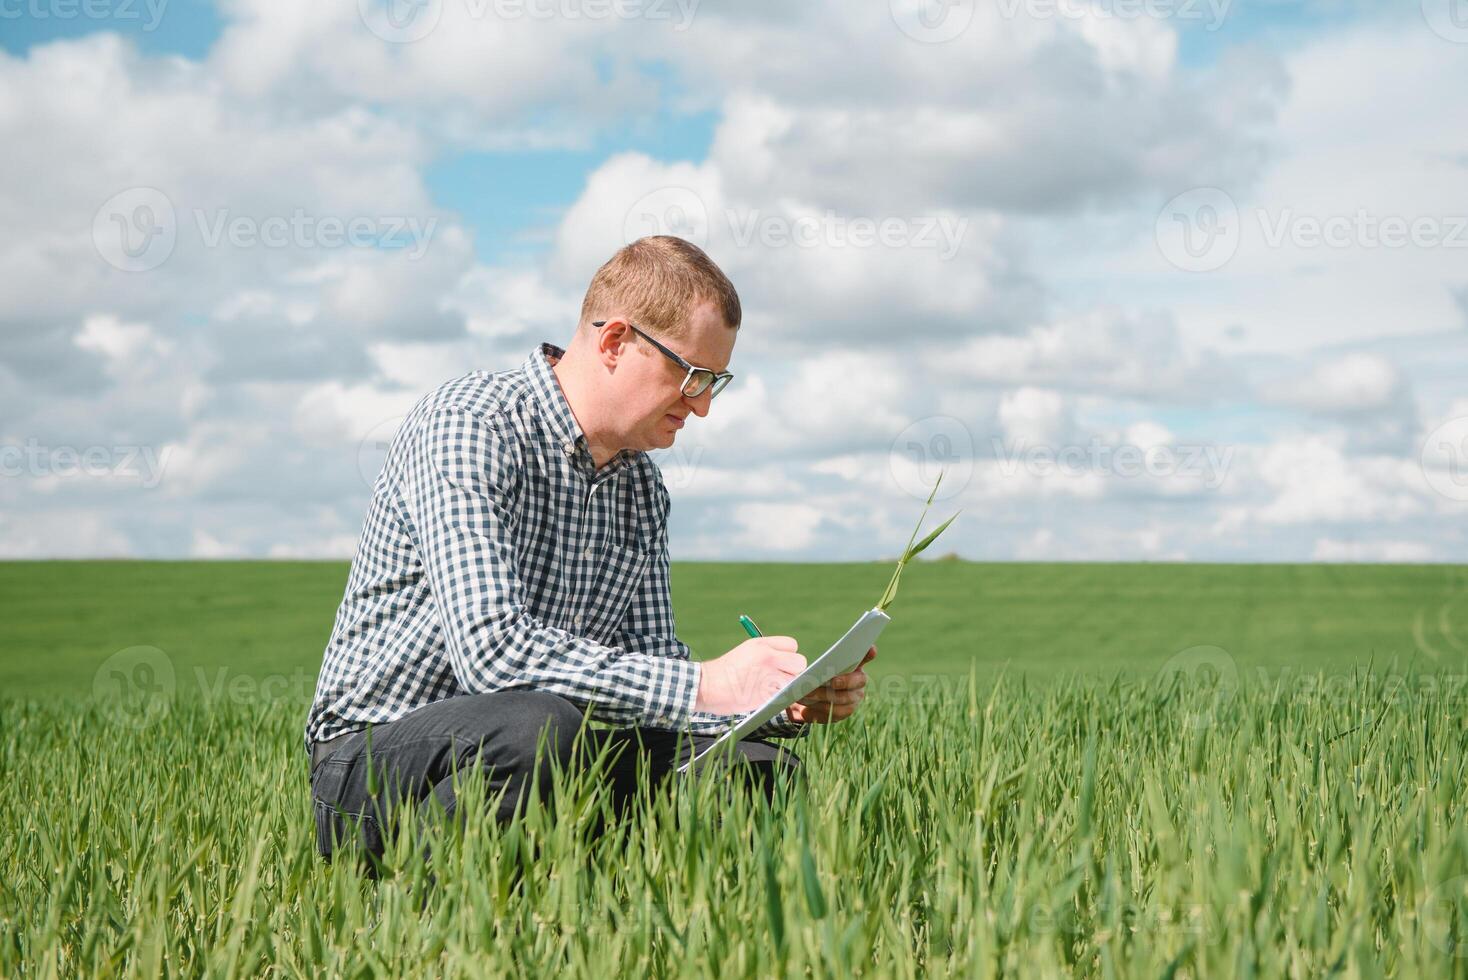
column 844, row 654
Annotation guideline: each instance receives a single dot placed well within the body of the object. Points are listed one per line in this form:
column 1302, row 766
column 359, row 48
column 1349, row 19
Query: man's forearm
column 621, row 687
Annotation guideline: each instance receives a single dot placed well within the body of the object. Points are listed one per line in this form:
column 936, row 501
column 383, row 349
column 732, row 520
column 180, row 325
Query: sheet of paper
column 843, row 655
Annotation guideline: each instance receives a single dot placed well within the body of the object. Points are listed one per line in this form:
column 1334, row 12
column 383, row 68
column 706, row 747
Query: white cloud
column 776, row 527
column 817, row 407
column 689, row 477
column 93, row 119
column 1148, row 435
column 206, row 546
column 1104, row 350
column 1313, row 480
column 119, row 342
column 1351, row 383
column 1336, row 550
column 1015, row 172
column 1363, row 392
column 331, row 413
column 476, row 77
column 215, row 457
column 807, row 273
column 1034, row 415
column 1151, row 543
column 62, row 533
column 1027, row 477
column 1345, row 157
column 330, row 546
column 1039, row 114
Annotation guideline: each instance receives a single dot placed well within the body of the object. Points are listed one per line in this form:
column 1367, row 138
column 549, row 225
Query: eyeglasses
column 697, row 380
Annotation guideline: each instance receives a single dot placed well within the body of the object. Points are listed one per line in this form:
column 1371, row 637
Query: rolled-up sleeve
column 462, row 477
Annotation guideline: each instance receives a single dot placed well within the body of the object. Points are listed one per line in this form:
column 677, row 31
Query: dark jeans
column 416, row 757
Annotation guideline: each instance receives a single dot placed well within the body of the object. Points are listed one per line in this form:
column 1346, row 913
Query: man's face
column 647, row 382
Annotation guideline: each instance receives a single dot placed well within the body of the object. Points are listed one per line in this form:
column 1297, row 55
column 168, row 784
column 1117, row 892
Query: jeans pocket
column 329, row 780
column 336, row 828
column 328, row 828
column 338, row 820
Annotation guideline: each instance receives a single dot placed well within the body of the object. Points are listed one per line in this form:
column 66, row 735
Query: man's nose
column 700, row 406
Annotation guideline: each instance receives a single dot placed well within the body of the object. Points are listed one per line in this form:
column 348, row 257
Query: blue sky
column 182, row 27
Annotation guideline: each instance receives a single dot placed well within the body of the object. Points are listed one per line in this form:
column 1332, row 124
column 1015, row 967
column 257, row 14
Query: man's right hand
column 745, row 677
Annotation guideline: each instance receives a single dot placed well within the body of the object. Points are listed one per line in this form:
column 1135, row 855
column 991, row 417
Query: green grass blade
column 918, row 548
column 890, row 593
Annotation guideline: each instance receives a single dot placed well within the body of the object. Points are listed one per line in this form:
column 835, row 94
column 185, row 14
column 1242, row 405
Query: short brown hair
column 656, row 282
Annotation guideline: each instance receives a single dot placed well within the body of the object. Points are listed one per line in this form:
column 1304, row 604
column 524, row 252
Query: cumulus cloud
column 1043, row 114
column 1103, row 351
column 942, row 246
column 808, row 275
column 1336, row 550
column 1364, row 392
column 69, row 533
column 490, row 75
column 1352, row 383
column 1314, row 481
column 1355, row 228
column 1034, row 415
column 325, row 216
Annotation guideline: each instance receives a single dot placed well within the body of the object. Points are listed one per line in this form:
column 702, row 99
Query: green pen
column 749, row 626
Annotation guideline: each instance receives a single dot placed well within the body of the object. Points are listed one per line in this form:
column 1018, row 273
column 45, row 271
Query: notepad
column 844, row 654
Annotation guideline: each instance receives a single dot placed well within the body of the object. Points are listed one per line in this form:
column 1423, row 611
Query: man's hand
column 745, row 677
column 836, row 699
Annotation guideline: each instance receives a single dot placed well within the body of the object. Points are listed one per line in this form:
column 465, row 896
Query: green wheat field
column 1094, row 770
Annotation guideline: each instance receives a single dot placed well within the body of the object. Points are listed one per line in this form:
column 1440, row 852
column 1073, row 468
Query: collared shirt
column 496, row 556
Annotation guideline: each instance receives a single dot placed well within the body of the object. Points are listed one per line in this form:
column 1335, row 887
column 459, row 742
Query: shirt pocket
column 621, row 571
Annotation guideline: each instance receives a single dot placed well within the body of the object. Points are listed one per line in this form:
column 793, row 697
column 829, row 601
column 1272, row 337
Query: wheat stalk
column 913, row 550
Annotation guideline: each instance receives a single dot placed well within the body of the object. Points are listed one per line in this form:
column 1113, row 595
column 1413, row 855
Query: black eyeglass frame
column 717, row 380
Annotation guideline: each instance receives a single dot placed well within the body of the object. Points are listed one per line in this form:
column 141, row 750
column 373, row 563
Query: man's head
column 624, row 391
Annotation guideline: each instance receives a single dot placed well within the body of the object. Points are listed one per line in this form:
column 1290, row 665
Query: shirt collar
column 556, row 411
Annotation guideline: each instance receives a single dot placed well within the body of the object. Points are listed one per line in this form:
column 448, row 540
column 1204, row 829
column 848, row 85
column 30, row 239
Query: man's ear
column 613, row 340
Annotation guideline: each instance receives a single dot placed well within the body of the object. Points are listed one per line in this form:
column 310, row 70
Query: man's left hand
column 835, row 700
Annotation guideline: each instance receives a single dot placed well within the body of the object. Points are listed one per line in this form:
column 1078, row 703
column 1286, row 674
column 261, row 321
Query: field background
column 1096, row 770
column 61, row 620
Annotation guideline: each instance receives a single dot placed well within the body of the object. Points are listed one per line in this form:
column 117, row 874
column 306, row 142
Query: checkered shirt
column 495, row 557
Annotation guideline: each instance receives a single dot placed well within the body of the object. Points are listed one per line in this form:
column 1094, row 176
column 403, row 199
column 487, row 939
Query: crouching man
column 511, row 581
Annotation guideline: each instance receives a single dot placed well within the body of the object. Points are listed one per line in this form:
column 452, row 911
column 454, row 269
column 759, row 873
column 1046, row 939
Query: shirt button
column 579, row 618
column 569, row 449
column 586, row 553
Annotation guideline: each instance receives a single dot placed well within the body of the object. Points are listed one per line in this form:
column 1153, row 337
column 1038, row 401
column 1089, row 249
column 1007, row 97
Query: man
column 511, row 581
